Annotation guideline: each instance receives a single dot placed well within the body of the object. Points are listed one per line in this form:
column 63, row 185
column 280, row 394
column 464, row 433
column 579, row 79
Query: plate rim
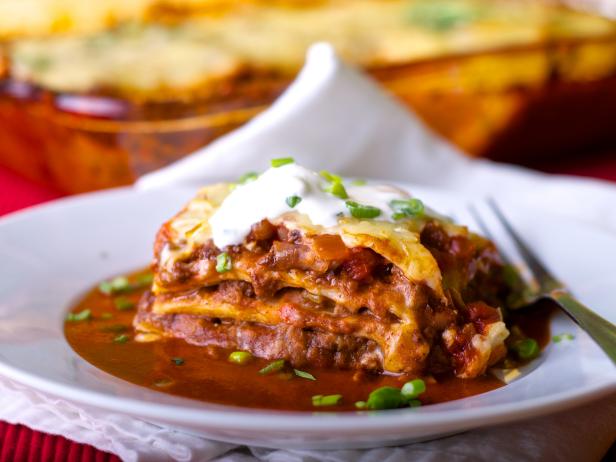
column 255, row 419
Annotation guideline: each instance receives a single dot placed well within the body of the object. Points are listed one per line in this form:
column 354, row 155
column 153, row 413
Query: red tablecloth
column 19, row 443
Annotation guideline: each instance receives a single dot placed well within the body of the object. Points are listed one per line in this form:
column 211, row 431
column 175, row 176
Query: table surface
column 19, row 443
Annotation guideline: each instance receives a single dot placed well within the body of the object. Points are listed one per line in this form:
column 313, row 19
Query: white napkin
column 580, row 435
column 335, row 117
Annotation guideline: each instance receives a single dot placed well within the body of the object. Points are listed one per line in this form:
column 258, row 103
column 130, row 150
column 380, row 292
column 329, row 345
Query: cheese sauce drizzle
column 266, row 198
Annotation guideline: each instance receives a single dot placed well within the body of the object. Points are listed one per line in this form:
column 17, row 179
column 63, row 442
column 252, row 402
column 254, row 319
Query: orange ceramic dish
column 495, row 87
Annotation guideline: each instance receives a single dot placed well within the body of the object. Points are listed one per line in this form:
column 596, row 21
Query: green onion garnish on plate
column 292, row 201
column 282, row 161
column 223, row 262
column 121, row 284
column 248, row 177
column 560, row 337
column 144, row 280
column 81, row 316
column 330, row 176
column 404, row 208
column 385, row 398
column 115, row 328
column 326, row 400
column 115, row 286
column 304, row 374
column 362, row 211
column 123, row 304
column 527, row 348
column 275, row 366
column 335, row 186
column 412, row 389
column 393, row 398
column 240, row 357
column 337, row 189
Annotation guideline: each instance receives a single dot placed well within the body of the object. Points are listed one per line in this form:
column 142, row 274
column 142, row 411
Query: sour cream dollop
column 266, row 198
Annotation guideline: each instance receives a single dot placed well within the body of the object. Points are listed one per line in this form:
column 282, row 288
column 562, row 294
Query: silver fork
column 543, row 284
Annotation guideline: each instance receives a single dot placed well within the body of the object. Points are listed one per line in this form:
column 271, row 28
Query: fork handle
column 601, row 330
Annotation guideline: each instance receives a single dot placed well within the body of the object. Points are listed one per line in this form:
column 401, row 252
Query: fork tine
column 541, row 273
column 519, row 273
column 602, row 331
column 486, row 231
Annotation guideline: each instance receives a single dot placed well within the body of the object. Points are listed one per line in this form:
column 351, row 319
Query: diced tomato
column 330, row 247
column 360, row 266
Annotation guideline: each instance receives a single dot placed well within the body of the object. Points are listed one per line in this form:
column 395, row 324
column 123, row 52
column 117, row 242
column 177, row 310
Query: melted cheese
column 397, row 241
column 144, row 59
column 156, row 59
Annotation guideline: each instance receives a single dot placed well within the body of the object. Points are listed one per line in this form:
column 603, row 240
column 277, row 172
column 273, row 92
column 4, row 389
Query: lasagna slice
column 297, row 266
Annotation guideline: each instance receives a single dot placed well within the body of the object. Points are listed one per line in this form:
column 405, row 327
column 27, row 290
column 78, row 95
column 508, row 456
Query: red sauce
column 205, row 373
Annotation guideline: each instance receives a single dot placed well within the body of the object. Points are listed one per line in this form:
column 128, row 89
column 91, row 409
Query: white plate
column 51, row 254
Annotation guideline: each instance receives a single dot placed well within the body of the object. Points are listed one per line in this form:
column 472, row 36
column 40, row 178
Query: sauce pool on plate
column 99, row 328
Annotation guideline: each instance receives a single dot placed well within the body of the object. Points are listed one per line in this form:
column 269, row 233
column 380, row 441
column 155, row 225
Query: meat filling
column 312, row 299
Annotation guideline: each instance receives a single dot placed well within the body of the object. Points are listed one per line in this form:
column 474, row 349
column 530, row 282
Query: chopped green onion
column 123, row 304
column 337, row 189
column 385, row 398
column 123, row 338
column 362, row 211
column 239, row 357
column 116, row 328
column 121, row 284
column 304, row 375
column 326, row 400
column 81, row 316
column 406, row 208
column 358, row 182
column 558, row 338
column 144, row 280
column 276, row 366
column 282, row 161
column 223, row 262
column 335, row 186
column 292, row 201
column 106, row 316
column 526, row 348
column 248, row 177
column 115, row 286
column 330, row 176
column 105, row 287
column 393, row 398
column 177, row 361
column 414, row 388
